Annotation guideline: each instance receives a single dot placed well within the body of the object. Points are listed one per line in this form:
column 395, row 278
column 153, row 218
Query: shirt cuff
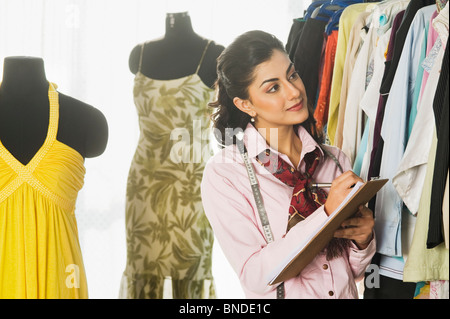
column 357, row 249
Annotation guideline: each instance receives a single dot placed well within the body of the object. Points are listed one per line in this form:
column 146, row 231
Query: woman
column 259, row 91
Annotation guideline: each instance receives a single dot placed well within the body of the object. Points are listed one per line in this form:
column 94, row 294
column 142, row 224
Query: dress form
column 177, row 54
column 24, row 113
column 172, row 89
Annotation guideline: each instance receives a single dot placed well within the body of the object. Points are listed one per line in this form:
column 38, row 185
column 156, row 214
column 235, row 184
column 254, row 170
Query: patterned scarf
column 305, row 199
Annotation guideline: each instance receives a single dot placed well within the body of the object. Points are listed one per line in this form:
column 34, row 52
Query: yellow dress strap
column 52, row 127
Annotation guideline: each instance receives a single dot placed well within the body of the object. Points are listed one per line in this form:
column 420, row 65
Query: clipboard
column 361, row 194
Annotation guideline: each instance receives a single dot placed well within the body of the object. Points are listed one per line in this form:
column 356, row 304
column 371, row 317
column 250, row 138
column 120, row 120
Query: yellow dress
column 40, row 255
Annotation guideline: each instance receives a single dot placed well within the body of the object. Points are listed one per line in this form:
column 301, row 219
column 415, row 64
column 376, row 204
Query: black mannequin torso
column 177, row 54
column 24, row 114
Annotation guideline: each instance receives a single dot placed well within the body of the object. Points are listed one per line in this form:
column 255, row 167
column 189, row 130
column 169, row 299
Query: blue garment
column 388, row 207
column 393, row 266
column 418, row 85
column 361, row 150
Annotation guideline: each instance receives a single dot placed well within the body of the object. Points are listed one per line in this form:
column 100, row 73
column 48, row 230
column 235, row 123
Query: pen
column 321, row 185
column 325, row 185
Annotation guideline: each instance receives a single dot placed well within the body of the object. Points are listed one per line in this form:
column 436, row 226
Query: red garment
column 321, row 111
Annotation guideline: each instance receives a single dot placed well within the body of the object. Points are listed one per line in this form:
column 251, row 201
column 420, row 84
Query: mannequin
column 172, row 88
column 24, row 116
column 45, row 137
column 177, row 54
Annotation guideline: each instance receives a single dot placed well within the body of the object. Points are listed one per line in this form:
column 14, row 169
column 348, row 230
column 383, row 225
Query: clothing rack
column 372, row 71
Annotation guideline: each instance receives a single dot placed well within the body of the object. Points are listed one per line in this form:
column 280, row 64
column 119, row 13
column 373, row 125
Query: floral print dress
column 169, row 239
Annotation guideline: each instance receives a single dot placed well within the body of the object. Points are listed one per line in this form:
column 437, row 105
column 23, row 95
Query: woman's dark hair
column 235, row 73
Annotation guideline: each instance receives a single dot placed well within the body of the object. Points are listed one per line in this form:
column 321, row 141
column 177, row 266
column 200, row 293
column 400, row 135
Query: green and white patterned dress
column 169, row 239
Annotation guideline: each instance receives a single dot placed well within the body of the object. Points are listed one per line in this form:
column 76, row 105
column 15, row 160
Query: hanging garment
column 294, row 36
column 348, row 17
column 40, row 255
column 349, row 137
column 402, row 32
column 432, row 36
column 169, row 239
column 371, row 101
column 355, row 40
column 321, row 111
column 409, row 178
column 383, row 20
column 308, row 55
column 422, row 290
column 390, row 289
column 441, row 115
column 426, row 264
column 430, row 264
column 445, row 209
column 439, row 289
column 362, row 150
column 389, row 204
column 367, row 72
column 392, row 60
column 422, row 75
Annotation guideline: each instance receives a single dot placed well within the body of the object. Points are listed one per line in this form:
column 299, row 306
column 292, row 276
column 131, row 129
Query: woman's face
column 277, row 96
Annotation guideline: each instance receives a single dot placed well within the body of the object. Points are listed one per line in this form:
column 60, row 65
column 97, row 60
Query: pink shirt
column 230, row 207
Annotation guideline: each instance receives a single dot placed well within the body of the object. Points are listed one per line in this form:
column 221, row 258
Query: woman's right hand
column 340, row 188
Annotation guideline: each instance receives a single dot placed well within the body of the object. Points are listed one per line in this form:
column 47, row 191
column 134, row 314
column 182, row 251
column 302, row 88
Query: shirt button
column 325, row 266
column 330, row 293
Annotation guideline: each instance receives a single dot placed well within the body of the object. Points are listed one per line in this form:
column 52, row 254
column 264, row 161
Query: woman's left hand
column 358, row 228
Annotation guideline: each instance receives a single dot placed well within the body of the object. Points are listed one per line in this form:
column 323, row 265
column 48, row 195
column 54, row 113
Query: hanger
column 327, row 10
column 313, row 6
column 334, row 22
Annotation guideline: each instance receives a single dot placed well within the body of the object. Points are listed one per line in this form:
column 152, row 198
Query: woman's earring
column 252, row 120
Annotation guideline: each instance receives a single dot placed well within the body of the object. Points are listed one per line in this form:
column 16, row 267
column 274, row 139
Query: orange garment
column 321, row 111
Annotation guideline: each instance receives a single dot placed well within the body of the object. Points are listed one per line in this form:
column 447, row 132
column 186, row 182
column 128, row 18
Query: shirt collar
column 255, row 142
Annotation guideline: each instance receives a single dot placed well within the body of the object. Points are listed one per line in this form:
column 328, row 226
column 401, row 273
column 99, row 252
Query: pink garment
column 431, row 39
column 230, row 207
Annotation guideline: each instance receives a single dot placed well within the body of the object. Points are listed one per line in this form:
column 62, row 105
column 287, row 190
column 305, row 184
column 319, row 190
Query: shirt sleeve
column 236, row 227
column 359, row 259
